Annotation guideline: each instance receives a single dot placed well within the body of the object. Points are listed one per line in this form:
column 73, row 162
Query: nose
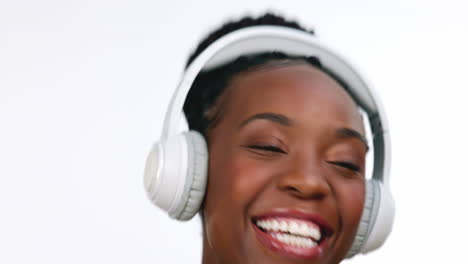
column 305, row 179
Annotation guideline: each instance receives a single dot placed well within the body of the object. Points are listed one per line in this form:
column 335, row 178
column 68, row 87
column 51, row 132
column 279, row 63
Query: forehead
column 301, row 92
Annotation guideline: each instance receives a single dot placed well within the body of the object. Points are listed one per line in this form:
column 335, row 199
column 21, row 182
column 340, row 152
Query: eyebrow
column 286, row 121
column 351, row 133
column 273, row 117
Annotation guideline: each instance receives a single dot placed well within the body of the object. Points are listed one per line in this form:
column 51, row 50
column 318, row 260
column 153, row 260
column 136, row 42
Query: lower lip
column 288, row 250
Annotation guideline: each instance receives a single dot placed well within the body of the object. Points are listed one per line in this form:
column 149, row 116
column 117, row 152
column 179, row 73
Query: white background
column 84, row 86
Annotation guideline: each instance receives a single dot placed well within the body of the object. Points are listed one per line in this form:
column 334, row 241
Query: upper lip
column 325, row 227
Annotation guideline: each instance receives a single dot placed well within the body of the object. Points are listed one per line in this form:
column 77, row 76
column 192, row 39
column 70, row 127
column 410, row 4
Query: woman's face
column 286, row 170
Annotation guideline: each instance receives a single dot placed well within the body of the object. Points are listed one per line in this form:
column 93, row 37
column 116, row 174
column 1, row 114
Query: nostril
column 307, row 190
column 318, row 196
column 291, row 189
column 305, row 182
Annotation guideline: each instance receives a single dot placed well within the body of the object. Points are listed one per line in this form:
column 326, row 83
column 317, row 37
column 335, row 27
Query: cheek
column 233, row 185
column 234, row 181
column 351, row 204
column 349, row 197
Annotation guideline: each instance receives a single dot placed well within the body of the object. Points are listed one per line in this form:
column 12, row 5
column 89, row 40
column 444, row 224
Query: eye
column 267, row 148
column 347, row 165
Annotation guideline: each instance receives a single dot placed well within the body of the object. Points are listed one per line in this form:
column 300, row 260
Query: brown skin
column 245, row 181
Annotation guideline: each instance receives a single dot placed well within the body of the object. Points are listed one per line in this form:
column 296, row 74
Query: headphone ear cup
column 369, row 213
column 197, row 175
column 165, row 172
column 382, row 219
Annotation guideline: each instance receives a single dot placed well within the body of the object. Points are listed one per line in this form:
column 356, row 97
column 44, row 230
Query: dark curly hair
column 209, row 85
column 231, row 26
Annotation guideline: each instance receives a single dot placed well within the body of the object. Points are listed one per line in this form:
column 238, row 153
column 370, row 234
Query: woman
column 287, row 153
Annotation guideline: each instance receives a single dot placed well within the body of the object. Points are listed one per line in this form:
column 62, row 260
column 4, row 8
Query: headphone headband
column 260, row 39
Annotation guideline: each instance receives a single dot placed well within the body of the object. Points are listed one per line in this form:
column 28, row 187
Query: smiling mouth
column 292, row 236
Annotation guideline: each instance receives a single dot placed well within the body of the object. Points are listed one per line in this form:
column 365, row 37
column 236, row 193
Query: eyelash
column 268, row 148
column 347, row 165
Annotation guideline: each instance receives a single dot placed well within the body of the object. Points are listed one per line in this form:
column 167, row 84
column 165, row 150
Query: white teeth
column 303, row 228
column 283, row 226
column 275, row 225
column 295, row 240
column 294, row 227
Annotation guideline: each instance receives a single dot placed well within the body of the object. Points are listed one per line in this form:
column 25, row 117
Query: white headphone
column 176, row 169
